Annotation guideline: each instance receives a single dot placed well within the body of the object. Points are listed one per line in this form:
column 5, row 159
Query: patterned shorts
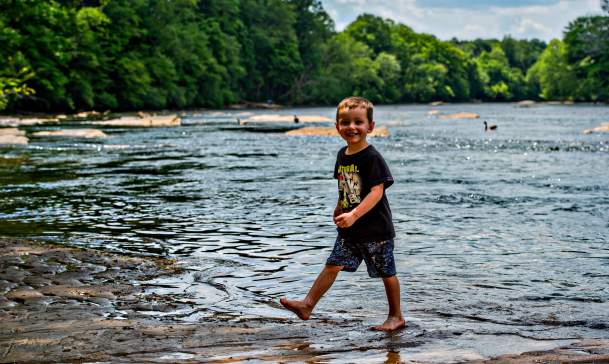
column 378, row 256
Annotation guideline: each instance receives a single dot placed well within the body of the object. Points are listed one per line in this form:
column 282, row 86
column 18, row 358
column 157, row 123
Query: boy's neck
column 354, row 148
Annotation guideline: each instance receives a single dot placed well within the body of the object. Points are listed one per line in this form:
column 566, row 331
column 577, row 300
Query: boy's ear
column 371, row 127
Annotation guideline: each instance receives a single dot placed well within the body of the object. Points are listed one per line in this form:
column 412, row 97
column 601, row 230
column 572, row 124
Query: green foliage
column 156, row 54
column 500, row 82
column 389, row 70
column 11, row 87
column 313, row 27
column 348, row 69
column 522, row 54
column 273, row 61
column 587, row 43
column 425, row 80
column 373, row 31
column 553, row 73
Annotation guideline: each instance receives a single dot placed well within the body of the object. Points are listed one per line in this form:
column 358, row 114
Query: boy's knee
column 333, row 268
column 391, row 278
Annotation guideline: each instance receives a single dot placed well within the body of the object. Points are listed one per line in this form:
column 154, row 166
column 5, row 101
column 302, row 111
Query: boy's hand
column 345, row 220
column 348, row 218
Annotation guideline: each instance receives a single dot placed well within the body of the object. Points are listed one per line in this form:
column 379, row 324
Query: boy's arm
column 337, row 210
column 349, row 218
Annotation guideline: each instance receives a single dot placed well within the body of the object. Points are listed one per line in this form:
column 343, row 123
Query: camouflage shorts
column 378, row 256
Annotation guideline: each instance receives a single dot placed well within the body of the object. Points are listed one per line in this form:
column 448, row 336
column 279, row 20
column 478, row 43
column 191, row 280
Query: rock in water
column 603, row 128
column 72, row 133
column 152, row 121
column 381, row 131
column 12, row 136
column 460, row 115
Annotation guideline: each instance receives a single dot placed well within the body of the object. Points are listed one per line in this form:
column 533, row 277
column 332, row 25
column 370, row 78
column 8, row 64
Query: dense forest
column 67, row 55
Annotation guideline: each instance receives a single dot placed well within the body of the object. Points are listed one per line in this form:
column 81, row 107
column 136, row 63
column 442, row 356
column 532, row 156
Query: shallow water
column 501, row 233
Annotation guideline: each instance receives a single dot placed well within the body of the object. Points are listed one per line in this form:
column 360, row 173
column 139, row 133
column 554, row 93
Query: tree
column 373, row 31
column 426, row 81
column 553, row 73
column 500, row 81
column 222, row 23
column 348, row 69
column 270, row 46
column 389, row 71
column 35, row 36
column 522, row 53
column 587, row 44
column 313, row 28
column 88, row 84
column 14, row 86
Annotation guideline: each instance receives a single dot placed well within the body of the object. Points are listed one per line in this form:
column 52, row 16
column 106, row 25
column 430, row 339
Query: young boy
column 362, row 215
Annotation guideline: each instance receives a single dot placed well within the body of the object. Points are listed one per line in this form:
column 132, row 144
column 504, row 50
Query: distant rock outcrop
column 72, row 133
column 255, row 105
column 381, row 131
column 526, row 103
column 12, row 136
column 147, row 121
column 87, row 114
column 460, row 115
column 27, row 121
column 603, row 128
column 274, row 118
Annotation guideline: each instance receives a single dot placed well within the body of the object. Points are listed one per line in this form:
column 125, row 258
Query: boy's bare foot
column 391, row 324
column 301, row 309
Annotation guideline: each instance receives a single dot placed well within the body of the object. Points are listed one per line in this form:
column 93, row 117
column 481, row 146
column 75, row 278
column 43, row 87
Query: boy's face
column 353, row 125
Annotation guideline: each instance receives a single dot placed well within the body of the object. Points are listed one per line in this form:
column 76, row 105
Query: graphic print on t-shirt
column 349, row 186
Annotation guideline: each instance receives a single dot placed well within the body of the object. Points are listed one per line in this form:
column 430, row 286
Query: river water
column 500, row 235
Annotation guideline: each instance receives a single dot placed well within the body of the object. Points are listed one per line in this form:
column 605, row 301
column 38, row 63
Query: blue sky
column 469, row 19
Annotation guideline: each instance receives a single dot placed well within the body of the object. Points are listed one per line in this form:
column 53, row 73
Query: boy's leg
column 395, row 320
column 324, row 281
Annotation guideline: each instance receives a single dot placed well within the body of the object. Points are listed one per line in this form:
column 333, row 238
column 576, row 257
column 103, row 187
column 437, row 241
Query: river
column 502, row 237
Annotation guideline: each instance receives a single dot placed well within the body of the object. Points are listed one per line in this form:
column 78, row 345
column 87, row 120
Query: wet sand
column 62, row 304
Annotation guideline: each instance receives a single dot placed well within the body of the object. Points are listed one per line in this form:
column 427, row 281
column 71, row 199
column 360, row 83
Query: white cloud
column 528, row 27
column 468, row 19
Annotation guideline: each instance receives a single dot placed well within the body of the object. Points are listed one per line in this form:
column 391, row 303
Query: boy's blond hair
column 353, row 102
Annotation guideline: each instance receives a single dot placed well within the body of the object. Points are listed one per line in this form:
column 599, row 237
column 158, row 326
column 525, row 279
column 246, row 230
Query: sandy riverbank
column 61, row 304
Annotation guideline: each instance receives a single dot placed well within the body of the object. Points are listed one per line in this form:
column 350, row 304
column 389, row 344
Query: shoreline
column 65, row 304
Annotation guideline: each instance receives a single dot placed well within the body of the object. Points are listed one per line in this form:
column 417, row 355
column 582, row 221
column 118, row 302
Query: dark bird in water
column 296, row 119
column 489, row 127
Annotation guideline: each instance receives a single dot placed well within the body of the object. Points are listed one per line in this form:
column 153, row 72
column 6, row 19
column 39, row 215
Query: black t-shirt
column 357, row 174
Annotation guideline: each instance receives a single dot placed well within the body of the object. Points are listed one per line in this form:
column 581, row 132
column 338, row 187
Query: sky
column 470, row 19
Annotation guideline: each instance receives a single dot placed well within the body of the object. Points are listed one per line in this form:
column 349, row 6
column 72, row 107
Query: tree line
column 66, row 55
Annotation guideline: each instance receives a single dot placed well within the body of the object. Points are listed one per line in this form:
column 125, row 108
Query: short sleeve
column 338, row 158
column 379, row 171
